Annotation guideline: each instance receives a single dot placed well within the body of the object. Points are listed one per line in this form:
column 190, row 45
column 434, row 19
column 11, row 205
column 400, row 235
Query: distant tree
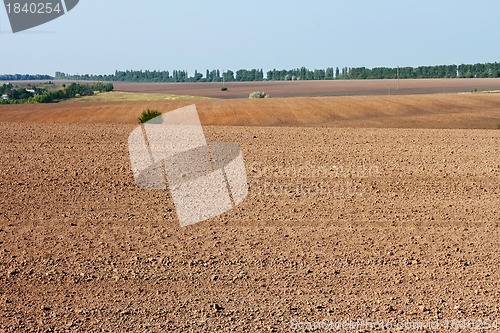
column 243, row 75
column 229, row 76
column 319, row 74
column 309, row 75
column 75, row 89
column 329, row 74
column 260, row 75
column 215, row 76
column 196, row 78
column 270, row 75
column 45, row 98
column 102, row 86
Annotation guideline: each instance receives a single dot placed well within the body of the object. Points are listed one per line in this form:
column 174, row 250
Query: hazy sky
column 100, row 36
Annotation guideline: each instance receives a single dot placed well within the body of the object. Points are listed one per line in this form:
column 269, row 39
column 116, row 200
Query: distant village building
column 31, row 91
column 5, row 97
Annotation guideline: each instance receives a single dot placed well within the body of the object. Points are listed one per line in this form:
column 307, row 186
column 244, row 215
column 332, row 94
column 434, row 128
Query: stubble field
column 316, row 88
column 373, row 208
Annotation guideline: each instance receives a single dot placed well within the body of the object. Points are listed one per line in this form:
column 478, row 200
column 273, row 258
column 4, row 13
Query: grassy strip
column 131, row 97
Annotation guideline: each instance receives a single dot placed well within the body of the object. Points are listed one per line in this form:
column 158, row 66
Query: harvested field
column 481, row 111
column 316, row 88
column 282, row 89
column 377, row 208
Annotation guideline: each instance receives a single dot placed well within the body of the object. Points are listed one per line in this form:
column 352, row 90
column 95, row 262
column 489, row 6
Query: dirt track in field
column 341, row 222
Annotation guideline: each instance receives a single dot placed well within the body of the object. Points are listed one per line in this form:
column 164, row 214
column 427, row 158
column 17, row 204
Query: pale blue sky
column 99, row 36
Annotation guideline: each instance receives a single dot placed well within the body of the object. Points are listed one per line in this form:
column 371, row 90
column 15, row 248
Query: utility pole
column 224, row 88
column 398, row 78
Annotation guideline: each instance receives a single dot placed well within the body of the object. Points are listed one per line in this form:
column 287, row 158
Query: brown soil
column 340, row 223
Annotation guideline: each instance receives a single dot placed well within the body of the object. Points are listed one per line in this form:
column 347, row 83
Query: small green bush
column 148, row 115
column 498, row 126
column 102, row 86
column 259, row 94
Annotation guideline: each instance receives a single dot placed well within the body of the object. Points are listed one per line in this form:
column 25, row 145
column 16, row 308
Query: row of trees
column 486, row 70
column 152, row 76
column 491, row 70
column 210, row 75
column 302, row 74
column 24, row 77
column 19, row 95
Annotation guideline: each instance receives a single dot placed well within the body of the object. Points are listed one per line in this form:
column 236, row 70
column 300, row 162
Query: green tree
column 329, row 74
column 228, row 76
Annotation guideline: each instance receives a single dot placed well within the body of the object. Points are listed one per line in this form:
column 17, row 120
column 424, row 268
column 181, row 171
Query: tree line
column 480, row 70
column 486, row 70
column 24, row 77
